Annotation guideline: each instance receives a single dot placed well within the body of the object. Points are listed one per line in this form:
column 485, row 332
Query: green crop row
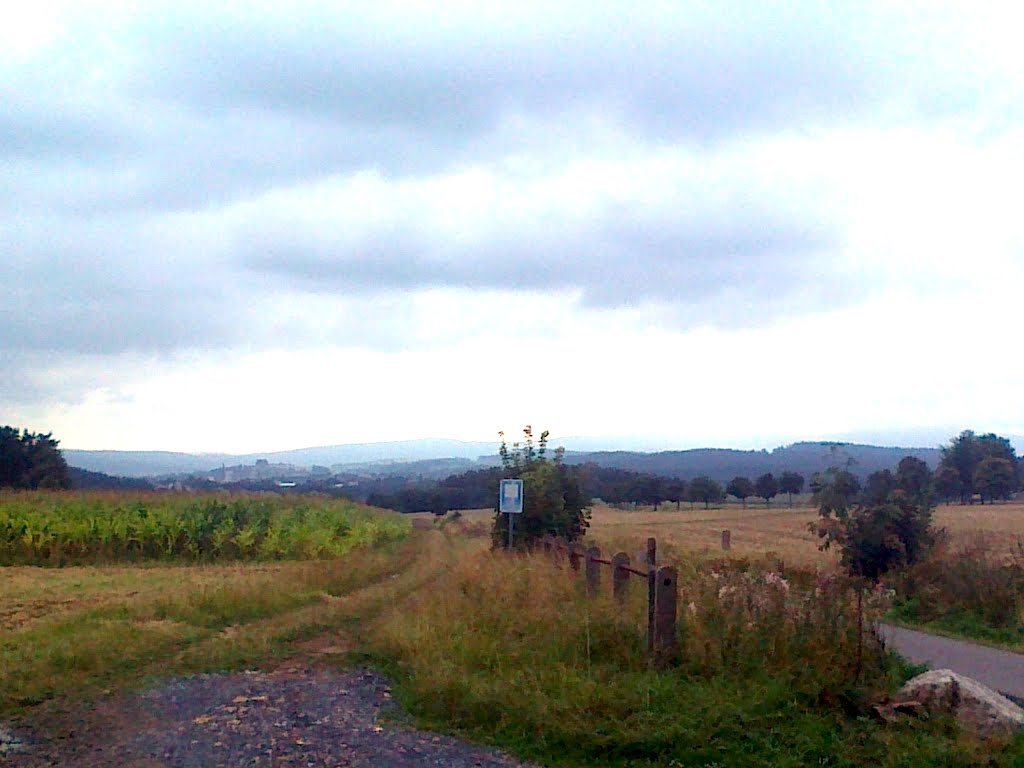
column 41, row 528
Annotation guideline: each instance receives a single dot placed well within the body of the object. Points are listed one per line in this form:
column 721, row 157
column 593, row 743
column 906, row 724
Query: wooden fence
column 662, row 587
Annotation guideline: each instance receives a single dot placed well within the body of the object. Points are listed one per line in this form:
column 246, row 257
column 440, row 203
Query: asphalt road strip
column 1000, row 670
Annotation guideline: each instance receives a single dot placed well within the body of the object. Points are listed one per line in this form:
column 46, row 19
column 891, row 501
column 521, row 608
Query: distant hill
column 144, row 463
column 84, row 480
column 438, row 457
column 162, row 463
column 723, row 464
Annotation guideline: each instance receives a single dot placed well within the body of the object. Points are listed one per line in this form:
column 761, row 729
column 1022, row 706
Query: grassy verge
column 971, row 591
column 509, row 652
column 963, row 623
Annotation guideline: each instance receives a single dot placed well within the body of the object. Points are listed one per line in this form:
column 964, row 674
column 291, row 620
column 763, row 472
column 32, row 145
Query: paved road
column 1001, row 670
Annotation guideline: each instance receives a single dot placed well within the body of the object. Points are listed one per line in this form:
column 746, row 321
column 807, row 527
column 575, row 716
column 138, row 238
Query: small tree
column 741, row 488
column 790, row 483
column 767, row 487
column 873, row 537
column 553, row 499
column 704, row 489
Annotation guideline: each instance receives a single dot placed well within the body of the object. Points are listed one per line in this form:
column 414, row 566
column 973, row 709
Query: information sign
column 510, row 497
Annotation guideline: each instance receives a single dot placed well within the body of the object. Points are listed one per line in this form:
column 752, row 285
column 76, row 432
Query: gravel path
column 289, row 718
column 1000, row 670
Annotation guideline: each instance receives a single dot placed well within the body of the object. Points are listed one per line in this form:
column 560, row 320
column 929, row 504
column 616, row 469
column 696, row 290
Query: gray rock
column 9, row 742
column 976, row 707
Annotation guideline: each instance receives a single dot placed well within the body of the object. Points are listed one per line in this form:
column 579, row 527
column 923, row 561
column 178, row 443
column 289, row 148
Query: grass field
column 757, row 531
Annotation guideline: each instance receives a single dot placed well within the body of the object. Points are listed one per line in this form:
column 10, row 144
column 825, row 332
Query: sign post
column 510, row 502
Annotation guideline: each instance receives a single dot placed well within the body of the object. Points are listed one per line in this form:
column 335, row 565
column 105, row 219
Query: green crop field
column 73, row 529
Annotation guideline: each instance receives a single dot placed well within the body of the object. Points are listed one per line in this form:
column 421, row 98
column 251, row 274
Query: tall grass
column 511, row 651
column 45, row 528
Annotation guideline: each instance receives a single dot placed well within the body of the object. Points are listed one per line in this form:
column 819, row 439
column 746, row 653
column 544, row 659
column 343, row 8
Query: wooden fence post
column 560, row 548
column 620, row 577
column 726, row 539
column 574, row 556
column 593, row 570
column 666, row 598
column 651, row 558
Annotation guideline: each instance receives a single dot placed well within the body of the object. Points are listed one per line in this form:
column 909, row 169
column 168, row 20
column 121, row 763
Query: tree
column 995, row 478
column 947, row 483
column 650, row 490
column 878, row 487
column 916, row 479
column 741, row 488
column 704, row 489
column 967, row 451
column 834, row 490
column 553, row 498
column 676, row 491
column 767, row 487
column 791, row 482
column 30, row 460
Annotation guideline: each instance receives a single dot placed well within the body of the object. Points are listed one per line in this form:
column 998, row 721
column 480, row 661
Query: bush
column 888, row 530
column 553, row 499
column 968, row 587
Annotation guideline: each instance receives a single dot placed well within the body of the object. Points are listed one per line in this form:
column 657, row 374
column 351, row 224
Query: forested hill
column 722, row 464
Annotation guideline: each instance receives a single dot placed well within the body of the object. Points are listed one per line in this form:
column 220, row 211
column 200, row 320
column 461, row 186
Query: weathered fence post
column 593, row 570
column 620, row 576
column 726, row 539
column 651, row 558
column 560, row 547
column 574, row 556
column 666, row 598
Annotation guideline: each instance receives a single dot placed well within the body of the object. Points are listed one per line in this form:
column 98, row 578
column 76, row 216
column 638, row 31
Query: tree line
column 30, row 460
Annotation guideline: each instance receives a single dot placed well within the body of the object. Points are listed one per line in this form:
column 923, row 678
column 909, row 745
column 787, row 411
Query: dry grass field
column 778, row 531
column 783, row 532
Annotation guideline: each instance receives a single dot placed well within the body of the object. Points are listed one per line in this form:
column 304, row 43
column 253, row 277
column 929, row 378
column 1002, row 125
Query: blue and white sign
column 510, row 497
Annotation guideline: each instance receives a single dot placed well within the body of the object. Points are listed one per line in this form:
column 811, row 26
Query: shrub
column 966, row 585
column 884, row 532
column 553, row 500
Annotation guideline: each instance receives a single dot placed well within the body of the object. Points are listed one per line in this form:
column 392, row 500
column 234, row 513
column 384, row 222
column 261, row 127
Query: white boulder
column 976, row 707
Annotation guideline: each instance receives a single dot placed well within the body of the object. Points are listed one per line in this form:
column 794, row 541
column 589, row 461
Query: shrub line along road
column 1000, row 670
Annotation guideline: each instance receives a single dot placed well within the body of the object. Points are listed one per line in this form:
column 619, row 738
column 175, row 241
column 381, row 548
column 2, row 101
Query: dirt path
column 1000, row 670
column 294, row 717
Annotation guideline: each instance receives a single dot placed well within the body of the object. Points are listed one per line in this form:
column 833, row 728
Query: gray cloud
column 619, row 257
column 143, row 153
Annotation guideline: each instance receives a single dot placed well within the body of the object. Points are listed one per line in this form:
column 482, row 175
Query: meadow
column 509, row 651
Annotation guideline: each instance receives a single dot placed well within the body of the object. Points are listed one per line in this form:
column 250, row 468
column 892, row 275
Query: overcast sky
column 247, row 227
